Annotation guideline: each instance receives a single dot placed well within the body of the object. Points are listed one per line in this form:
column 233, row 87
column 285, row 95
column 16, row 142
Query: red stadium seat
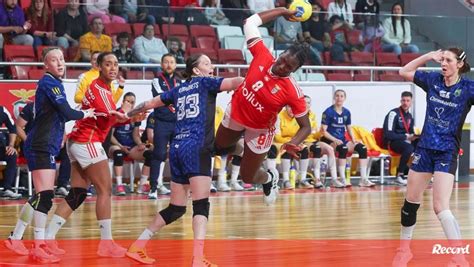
column 228, row 74
column 211, row 53
column 361, row 77
column 57, row 5
column 230, row 56
column 378, row 135
column 39, row 52
column 24, row 3
column 387, row 59
column 390, row 78
column 73, row 73
column 339, row 77
column 35, row 74
column 206, row 42
column 202, row 30
column 137, row 29
column 175, row 30
column 138, row 75
column 353, row 37
column 362, row 58
column 405, row 58
column 112, row 29
column 12, row 51
column 21, row 72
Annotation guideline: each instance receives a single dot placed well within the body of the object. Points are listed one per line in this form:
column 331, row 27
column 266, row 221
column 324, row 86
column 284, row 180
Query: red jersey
column 262, row 95
column 98, row 96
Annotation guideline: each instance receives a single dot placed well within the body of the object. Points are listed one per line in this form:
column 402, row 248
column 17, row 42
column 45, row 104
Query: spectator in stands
column 160, row 9
column 372, row 34
column 70, row 24
column 336, row 120
column 287, row 32
column 257, row 6
column 148, row 48
column 316, row 33
column 399, row 134
column 364, row 7
column 94, row 40
column 13, row 26
column 397, row 36
column 8, row 154
column 133, row 11
column 235, row 10
column 188, row 12
column 339, row 29
column 214, row 13
column 177, row 48
column 100, row 8
column 342, row 9
column 41, row 20
column 123, row 52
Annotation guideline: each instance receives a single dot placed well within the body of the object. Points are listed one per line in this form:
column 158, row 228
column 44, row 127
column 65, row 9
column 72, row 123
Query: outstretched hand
column 292, row 149
column 437, row 55
column 121, row 117
column 290, row 15
column 89, row 113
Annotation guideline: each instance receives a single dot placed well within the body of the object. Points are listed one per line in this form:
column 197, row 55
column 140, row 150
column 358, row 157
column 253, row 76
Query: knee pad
column 201, row 207
column 75, row 197
column 315, row 150
column 286, row 155
column 361, row 150
column 148, row 155
column 172, row 213
column 118, row 157
column 409, row 210
column 272, row 153
column 342, row 150
column 42, row 201
column 236, row 160
column 304, row 154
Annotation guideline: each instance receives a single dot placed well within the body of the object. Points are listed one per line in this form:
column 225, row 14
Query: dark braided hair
column 394, row 20
column 461, row 56
column 300, row 51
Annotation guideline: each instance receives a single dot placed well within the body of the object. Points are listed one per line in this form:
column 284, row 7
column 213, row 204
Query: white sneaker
column 223, row 187
column 337, row 184
column 143, row 189
column 401, row 180
column 8, row 194
column 402, row 258
column 16, row 246
column 366, row 183
column 213, row 188
column 40, row 255
column 153, row 194
column 270, row 189
column 108, row 248
column 61, row 192
column 306, row 185
column 318, row 184
column 287, row 185
column 235, row 186
column 162, row 190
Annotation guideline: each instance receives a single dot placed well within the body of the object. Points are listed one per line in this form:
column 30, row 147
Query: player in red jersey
column 89, row 160
column 254, row 108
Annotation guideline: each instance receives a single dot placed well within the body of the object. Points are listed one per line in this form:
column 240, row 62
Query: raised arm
column 144, row 106
column 230, row 84
column 253, row 22
column 408, row 71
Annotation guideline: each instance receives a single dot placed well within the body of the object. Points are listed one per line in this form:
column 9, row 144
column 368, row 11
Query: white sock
column 406, row 233
column 222, row 172
column 332, row 166
column 54, row 225
column 285, row 169
column 363, row 172
column 317, row 167
column 342, row 172
column 105, row 229
column 450, row 225
column 271, row 164
column 160, row 176
column 118, row 179
column 235, row 173
column 303, row 168
column 143, row 238
column 269, row 178
column 26, row 215
column 143, row 179
column 40, row 225
column 198, row 248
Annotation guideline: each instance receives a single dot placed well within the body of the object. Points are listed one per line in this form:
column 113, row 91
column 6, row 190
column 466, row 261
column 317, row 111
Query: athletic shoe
column 248, row 187
column 108, row 248
column 153, row 194
column 318, row 184
column 401, row 180
column 53, row 248
column 61, row 192
column 202, row 262
column 305, row 184
column 337, row 184
column 223, row 187
column 402, row 258
column 120, row 190
column 235, row 186
column 162, row 190
column 143, row 189
column 366, row 183
column 16, row 246
column 40, row 255
column 270, row 189
column 139, row 254
column 9, row 194
column 287, row 185
column 213, row 188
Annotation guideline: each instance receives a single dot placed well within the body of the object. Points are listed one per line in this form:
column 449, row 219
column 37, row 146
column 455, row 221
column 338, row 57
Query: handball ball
column 303, row 9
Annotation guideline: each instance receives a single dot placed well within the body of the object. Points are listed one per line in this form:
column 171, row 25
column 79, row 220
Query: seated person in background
column 8, row 154
column 13, row 26
column 397, row 36
column 70, row 24
column 94, row 40
column 235, row 10
column 177, row 48
column 287, row 32
column 257, row 6
column 316, row 33
column 100, row 8
column 147, row 139
column 342, row 9
column 364, row 7
column 133, row 11
column 335, row 121
column 147, row 48
column 160, row 9
column 372, row 34
column 123, row 52
column 126, row 141
column 399, row 134
column 339, row 29
column 41, row 20
column 214, row 13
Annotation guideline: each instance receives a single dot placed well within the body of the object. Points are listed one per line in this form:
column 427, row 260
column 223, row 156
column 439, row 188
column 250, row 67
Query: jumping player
column 449, row 97
column 253, row 111
column 190, row 152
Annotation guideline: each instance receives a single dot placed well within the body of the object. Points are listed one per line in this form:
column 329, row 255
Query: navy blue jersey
column 446, row 110
column 395, row 125
column 150, row 124
column 164, row 83
column 124, row 133
column 6, row 119
column 195, row 103
column 28, row 114
column 47, row 130
column 336, row 122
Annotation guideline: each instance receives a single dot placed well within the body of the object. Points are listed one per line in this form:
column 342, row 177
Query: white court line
column 180, row 234
column 122, row 231
column 234, row 237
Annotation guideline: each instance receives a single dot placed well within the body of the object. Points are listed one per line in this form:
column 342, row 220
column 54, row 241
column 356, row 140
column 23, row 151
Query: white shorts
column 258, row 140
column 86, row 154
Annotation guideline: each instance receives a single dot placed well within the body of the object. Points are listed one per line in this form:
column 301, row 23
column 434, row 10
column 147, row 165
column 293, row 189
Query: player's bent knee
column 201, row 207
column 408, row 213
column 273, row 152
column 315, row 150
column 304, row 153
column 148, row 155
column 361, row 150
column 236, row 160
column 76, row 197
column 42, row 201
column 172, row 213
column 342, row 151
column 118, row 158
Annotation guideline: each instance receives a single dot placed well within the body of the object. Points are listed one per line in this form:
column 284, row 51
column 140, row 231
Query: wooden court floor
column 330, row 214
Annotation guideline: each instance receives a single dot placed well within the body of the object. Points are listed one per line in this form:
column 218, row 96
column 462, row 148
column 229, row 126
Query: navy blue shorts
column 39, row 160
column 429, row 160
column 188, row 160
